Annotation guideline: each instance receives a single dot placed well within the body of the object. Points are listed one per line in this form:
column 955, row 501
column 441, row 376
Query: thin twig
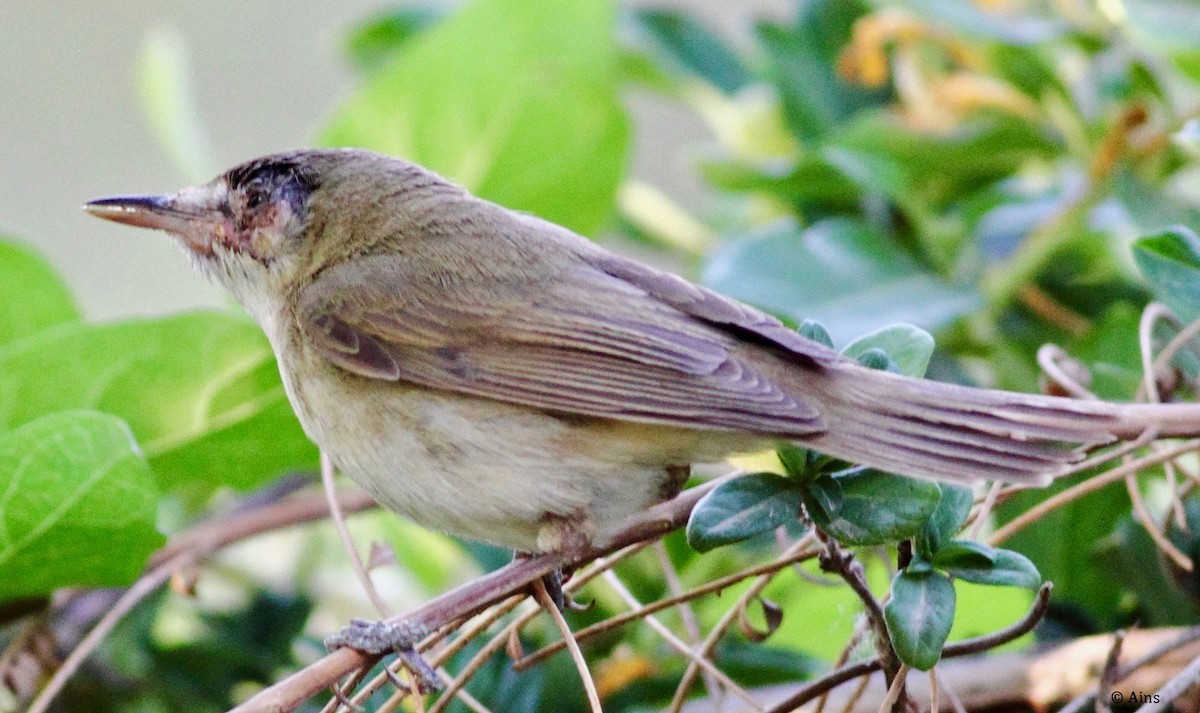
column 960, row 648
column 478, row 660
column 144, row 587
column 1142, row 514
column 473, row 597
column 1153, row 312
column 186, row 550
column 854, row 697
column 726, row 620
column 339, row 524
column 621, row 619
column 840, row 561
column 894, row 700
column 985, row 510
column 1049, row 358
column 585, row 675
column 698, row 658
column 1084, row 699
column 686, row 616
column 1108, row 675
column 1038, row 511
column 934, row 704
column 844, row 656
column 1174, row 688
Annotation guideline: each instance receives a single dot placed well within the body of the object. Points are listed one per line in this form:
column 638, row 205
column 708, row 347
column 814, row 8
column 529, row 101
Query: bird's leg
column 677, row 477
column 380, row 637
column 565, row 535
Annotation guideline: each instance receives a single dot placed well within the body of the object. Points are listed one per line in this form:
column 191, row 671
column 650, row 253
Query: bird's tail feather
column 955, row 433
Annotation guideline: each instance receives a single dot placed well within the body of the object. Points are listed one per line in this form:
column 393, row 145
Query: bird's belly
column 487, row 470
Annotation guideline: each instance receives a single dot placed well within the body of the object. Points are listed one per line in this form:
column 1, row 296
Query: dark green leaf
column 811, row 329
column 969, row 561
column 944, row 166
column 688, row 45
column 841, row 272
column 823, row 499
column 1170, row 261
column 964, row 553
column 374, row 41
column 795, row 461
column 1110, row 352
column 201, row 392
column 1165, row 596
column 809, row 180
column 952, row 509
column 742, row 508
column 907, row 346
column 802, row 63
column 1053, row 545
column 517, row 101
column 878, row 507
column 77, row 505
column 878, row 359
column 32, row 297
column 919, row 616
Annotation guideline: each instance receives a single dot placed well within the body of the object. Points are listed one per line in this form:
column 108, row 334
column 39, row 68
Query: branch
column 185, row 550
column 959, row 648
column 471, row 598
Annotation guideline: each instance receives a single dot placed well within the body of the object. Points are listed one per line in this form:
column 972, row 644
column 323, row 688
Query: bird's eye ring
column 255, row 199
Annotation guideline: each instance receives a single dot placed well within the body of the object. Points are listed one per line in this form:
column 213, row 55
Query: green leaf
column 32, row 296
column 979, row 563
column 878, row 507
column 802, row 63
column 823, row 498
column 516, row 100
column 1170, row 262
column 742, row 508
column 952, row 509
column 964, row 553
column 77, row 505
column 878, row 359
column 1165, row 596
column 689, row 46
column 904, row 163
column 1053, row 544
column 200, row 391
column 842, row 272
column 811, row 329
column 919, row 616
column 795, row 461
column 908, row 346
column 371, row 43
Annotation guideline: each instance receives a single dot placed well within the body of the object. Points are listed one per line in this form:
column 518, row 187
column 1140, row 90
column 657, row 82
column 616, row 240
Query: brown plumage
column 495, row 375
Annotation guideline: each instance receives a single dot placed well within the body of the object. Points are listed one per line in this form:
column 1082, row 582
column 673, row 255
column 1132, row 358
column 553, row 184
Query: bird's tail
column 955, row 433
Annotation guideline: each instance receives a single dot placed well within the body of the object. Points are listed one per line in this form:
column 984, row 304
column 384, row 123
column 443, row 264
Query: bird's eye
column 255, row 199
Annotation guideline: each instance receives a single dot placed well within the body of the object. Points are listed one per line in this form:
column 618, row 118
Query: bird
column 490, row 374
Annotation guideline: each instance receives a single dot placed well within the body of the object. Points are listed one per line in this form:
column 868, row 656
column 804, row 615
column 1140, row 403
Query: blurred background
column 261, row 78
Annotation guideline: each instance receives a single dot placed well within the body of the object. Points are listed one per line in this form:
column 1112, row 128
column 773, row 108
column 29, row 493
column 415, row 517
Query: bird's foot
column 381, row 637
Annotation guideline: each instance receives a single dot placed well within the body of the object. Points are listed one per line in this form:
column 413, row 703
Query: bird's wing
column 607, row 338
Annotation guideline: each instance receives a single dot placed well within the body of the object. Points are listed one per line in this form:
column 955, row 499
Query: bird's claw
column 381, row 637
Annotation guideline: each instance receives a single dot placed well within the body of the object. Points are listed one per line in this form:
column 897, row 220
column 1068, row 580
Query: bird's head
column 266, row 226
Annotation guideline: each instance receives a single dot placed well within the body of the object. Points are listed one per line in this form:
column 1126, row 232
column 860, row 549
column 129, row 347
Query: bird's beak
column 190, row 214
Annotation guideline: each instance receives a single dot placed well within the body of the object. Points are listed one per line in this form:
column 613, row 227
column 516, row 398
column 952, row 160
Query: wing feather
column 584, row 341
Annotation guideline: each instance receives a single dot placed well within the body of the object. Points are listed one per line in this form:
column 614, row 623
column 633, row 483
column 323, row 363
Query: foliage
column 885, row 172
